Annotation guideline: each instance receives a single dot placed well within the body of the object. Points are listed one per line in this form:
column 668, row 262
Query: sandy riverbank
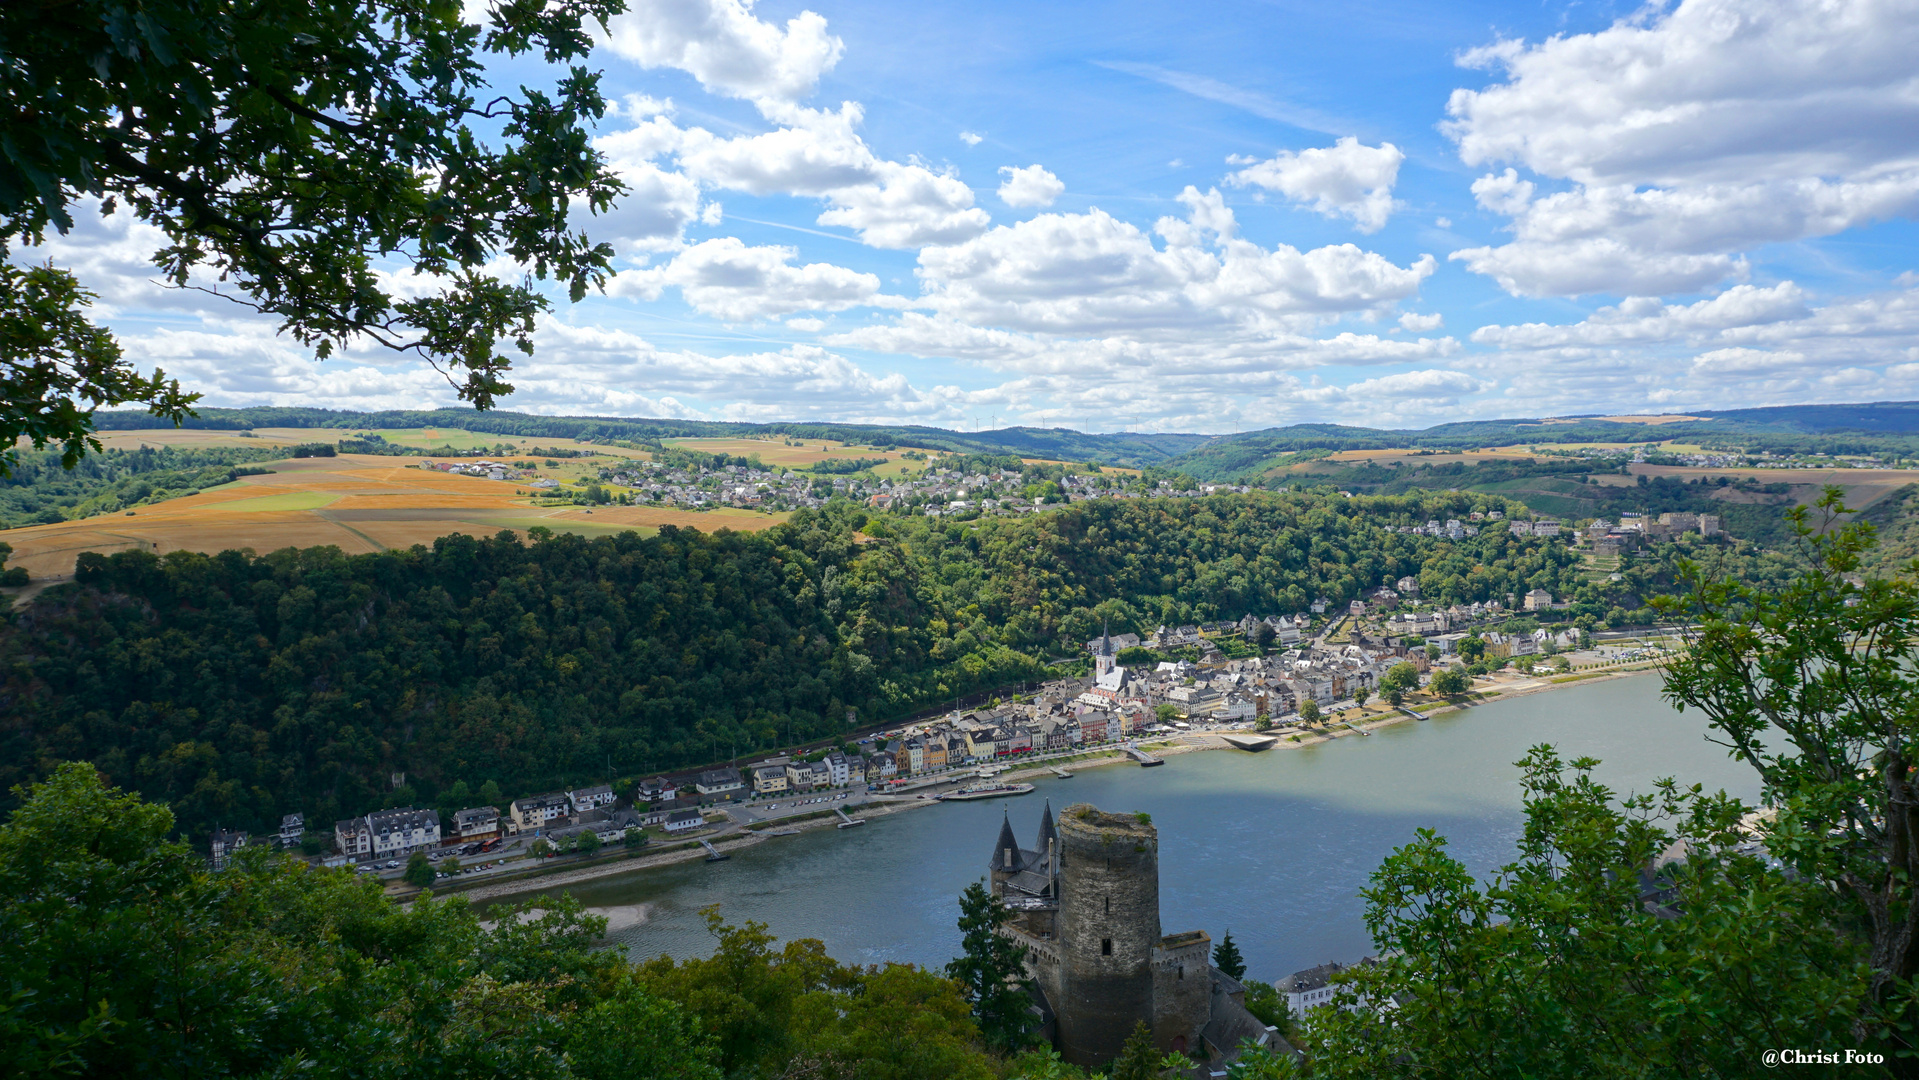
column 1181, row 744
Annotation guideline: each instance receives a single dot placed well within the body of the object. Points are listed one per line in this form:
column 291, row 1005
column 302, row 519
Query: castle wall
column 1108, row 931
column 1182, row 990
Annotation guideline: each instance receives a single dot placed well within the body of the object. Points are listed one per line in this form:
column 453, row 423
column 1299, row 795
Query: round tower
column 1108, row 925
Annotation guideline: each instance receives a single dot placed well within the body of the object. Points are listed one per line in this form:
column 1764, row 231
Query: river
column 1273, row 846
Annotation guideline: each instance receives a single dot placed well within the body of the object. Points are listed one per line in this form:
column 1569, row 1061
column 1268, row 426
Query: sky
column 1159, row 216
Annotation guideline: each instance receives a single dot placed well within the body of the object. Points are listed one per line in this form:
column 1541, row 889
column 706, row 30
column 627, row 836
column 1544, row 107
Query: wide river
column 1273, row 846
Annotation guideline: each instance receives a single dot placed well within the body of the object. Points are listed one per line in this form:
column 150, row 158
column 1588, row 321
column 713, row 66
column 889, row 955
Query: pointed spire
column 1105, row 639
column 1046, row 830
column 1006, row 857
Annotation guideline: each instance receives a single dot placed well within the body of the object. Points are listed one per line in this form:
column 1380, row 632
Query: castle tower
column 1107, row 927
column 1007, row 858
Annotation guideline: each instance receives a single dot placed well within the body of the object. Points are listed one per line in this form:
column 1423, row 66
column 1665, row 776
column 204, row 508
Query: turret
column 1108, row 927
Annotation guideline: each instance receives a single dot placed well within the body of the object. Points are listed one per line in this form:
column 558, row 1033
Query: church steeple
column 1105, row 639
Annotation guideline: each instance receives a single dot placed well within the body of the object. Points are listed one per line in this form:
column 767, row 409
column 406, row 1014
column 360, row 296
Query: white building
column 535, row 811
column 401, row 831
column 584, row 799
column 682, row 821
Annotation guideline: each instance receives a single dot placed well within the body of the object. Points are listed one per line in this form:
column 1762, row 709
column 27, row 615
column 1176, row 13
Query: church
column 1085, row 904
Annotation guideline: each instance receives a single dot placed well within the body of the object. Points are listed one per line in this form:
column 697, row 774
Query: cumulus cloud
column 1421, row 324
column 814, row 153
column 1689, row 136
column 729, row 280
column 1347, row 179
column 730, row 51
column 1030, row 186
column 1092, row 273
column 971, row 138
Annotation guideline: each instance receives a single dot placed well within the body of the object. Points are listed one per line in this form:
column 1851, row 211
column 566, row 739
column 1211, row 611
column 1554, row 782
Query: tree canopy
column 292, row 153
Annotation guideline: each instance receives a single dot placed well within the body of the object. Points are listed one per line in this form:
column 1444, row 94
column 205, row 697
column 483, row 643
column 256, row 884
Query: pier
column 713, row 854
column 1350, row 727
column 1059, row 772
column 847, row 822
column 1146, row 760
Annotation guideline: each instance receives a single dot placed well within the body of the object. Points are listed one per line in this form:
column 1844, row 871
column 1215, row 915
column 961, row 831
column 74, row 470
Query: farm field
column 358, row 503
column 1863, row 486
column 775, row 451
column 424, row 438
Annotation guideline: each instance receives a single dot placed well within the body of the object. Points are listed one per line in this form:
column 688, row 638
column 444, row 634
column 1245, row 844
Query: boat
column 986, row 791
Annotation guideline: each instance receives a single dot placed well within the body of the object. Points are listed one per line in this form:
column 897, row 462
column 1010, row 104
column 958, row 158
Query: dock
column 1253, row 743
column 847, row 822
column 1350, row 727
column 1146, row 760
column 985, row 792
column 713, row 854
column 1059, row 772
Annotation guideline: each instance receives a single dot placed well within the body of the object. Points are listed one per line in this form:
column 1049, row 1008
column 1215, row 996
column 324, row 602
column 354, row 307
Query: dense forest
column 237, row 688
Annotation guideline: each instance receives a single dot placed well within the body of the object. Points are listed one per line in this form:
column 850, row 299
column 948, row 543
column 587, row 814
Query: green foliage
column 1309, row 710
column 419, row 872
column 1401, row 676
column 1448, row 682
column 124, row 957
column 796, row 1008
column 290, row 150
column 1226, row 957
column 991, row 972
column 589, row 843
column 56, row 367
column 1557, row 967
column 1472, row 647
column 1137, row 656
column 1138, row 1060
column 1813, row 684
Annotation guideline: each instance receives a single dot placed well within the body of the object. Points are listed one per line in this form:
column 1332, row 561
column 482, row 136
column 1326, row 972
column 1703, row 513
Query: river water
column 1273, row 846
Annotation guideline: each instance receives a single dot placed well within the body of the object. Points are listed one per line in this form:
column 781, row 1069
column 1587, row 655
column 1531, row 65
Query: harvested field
column 1863, row 486
column 775, row 452
column 356, row 503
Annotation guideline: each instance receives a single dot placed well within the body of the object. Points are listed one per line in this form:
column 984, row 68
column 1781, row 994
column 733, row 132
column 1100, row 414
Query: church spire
column 1105, row 639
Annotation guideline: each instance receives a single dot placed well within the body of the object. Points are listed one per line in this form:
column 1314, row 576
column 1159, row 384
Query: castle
column 1085, row 904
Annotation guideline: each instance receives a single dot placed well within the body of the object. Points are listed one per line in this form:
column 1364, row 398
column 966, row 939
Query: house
column 592, row 798
column 1546, row 527
column 534, row 811
column 352, row 839
column 719, row 785
column 400, row 831
column 478, row 823
column 1313, row 988
column 839, row 770
column 293, row 827
column 934, row 752
column 770, row 780
column 680, row 821
column 658, row 789
column 1357, row 607
column 1538, row 600
column 607, row 826
column 223, row 845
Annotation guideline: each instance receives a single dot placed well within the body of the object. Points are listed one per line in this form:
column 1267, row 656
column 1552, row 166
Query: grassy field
column 1863, row 487
column 358, row 503
column 810, row 452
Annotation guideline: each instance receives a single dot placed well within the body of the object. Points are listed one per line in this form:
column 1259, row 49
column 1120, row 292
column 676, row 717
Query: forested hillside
column 237, row 688
column 37, row 489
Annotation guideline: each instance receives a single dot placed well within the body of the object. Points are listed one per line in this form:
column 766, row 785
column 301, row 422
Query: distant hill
column 1868, row 428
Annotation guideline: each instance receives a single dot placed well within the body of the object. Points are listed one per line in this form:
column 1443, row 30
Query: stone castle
column 1085, row 903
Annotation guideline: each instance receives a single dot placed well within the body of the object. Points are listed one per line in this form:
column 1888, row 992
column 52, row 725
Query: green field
column 292, row 500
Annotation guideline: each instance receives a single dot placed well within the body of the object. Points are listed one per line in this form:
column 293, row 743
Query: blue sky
column 1224, row 216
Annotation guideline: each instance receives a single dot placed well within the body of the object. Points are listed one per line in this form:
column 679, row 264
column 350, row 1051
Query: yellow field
column 358, row 503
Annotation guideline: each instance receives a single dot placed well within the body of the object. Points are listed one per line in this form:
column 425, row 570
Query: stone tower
column 1107, row 930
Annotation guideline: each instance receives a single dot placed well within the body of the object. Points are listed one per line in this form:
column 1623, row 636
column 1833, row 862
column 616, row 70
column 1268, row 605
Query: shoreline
column 1178, row 744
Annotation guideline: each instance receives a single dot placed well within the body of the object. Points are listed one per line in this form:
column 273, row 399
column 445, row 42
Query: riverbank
column 741, row 838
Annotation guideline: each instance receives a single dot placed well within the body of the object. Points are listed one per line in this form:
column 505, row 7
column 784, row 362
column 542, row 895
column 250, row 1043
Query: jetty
column 1253, row 743
column 1349, row 726
column 1059, row 772
column 985, row 791
column 713, row 854
column 1146, row 760
column 847, row 822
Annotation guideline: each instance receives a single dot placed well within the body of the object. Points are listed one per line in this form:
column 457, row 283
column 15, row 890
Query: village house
column 592, row 798
column 535, row 811
column 719, row 785
column 478, row 823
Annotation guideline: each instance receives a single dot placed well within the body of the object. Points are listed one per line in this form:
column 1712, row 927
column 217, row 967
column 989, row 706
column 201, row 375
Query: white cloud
column 1439, row 385
column 807, row 325
column 971, row 138
column 730, row 52
column 1030, row 186
column 815, row 154
column 1347, row 179
column 1092, row 273
column 1646, row 320
column 728, row 280
column 1689, row 136
column 1421, row 324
